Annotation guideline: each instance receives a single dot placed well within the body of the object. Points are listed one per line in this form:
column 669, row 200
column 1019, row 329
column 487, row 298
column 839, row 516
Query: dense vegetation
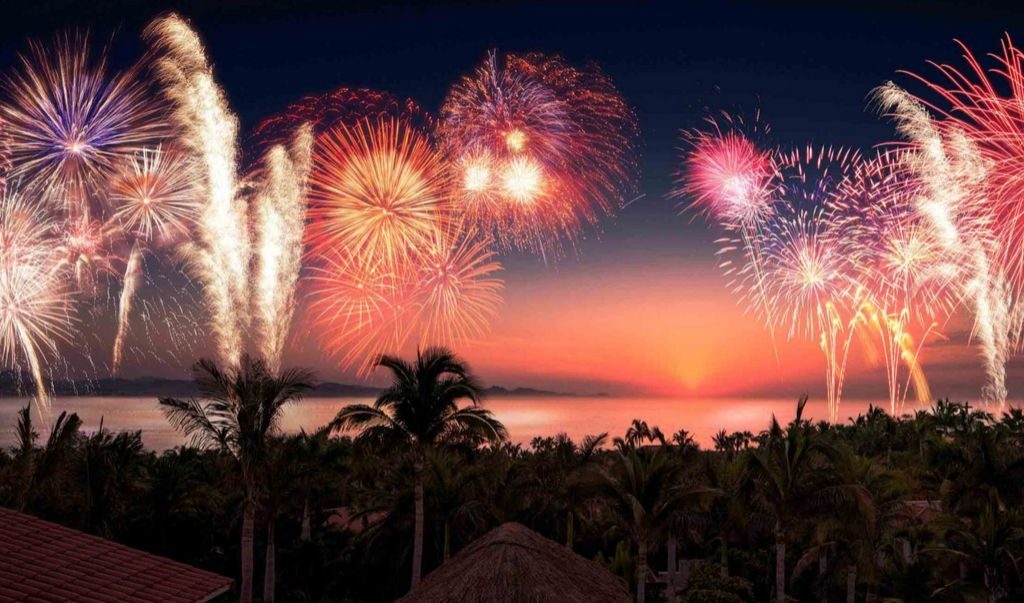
column 921, row 508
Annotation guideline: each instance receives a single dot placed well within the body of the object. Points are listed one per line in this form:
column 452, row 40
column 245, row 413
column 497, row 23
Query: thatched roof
column 514, row 564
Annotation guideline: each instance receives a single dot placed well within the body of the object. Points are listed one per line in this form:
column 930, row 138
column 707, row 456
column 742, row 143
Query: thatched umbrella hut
column 514, row 564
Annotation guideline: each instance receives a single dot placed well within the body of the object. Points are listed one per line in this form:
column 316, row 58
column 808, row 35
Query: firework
column 729, row 178
column 543, row 148
column 953, row 173
column 280, row 215
column 808, row 277
column 220, row 255
column 33, row 301
column 131, row 282
column 154, row 197
column 342, row 107
column 378, row 189
column 360, row 309
column 458, row 288
column 905, row 275
column 69, row 123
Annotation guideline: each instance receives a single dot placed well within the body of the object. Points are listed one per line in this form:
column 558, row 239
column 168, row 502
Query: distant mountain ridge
column 11, row 385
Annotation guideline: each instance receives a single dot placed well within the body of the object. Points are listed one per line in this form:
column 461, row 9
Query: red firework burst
column 542, row 148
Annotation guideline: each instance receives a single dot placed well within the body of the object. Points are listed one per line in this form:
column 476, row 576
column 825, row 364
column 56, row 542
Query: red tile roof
column 43, row 561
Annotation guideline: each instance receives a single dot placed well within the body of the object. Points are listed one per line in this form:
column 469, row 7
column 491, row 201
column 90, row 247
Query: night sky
column 641, row 307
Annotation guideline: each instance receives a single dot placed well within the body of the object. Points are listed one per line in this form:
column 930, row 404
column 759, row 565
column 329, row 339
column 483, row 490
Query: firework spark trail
column 948, row 177
column 221, row 254
column 733, row 181
column 281, row 217
column 33, row 299
column 130, row 285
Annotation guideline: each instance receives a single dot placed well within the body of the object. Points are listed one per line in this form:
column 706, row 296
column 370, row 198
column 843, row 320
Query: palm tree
column 864, row 504
column 992, row 542
column 38, row 468
column 419, row 411
column 641, row 491
column 785, row 475
column 237, row 411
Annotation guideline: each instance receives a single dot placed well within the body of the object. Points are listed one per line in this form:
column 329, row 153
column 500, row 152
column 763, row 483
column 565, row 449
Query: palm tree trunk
column 672, row 570
column 851, row 585
column 245, row 595
column 307, row 524
column 822, row 577
column 268, row 568
column 641, row 571
column 417, row 543
column 570, row 529
column 447, row 540
column 724, row 559
column 780, row 565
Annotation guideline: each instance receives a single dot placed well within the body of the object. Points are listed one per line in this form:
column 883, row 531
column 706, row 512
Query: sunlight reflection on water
column 525, row 417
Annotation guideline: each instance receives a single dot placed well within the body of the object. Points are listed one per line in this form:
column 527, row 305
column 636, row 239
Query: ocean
column 525, row 417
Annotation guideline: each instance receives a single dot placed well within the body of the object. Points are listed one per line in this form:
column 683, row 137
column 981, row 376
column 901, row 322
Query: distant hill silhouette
column 12, row 385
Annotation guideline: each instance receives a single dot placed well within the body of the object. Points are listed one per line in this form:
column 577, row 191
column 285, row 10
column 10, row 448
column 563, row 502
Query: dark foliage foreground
column 921, row 508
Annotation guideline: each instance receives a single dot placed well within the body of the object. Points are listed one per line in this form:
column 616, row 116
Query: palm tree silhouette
column 786, row 476
column 237, row 411
column 419, row 411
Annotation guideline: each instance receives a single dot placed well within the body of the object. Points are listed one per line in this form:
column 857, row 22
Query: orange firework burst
column 458, row 288
column 69, row 123
column 542, row 148
column 154, row 196
column 359, row 308
column 378, row 191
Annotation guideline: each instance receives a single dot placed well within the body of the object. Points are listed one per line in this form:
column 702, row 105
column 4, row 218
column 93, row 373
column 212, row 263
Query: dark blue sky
column 809, row 67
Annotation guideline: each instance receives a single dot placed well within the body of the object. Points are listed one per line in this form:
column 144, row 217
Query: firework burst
column 33, row 299
column 360, row 309
column 906, row 277
column 458, row 288
column 154, row 197
column 69, row 123
column 378, row 189
column 543, row 148
column 809, row 284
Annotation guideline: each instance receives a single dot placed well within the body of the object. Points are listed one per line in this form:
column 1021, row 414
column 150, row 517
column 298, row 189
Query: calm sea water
column 525, row 418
